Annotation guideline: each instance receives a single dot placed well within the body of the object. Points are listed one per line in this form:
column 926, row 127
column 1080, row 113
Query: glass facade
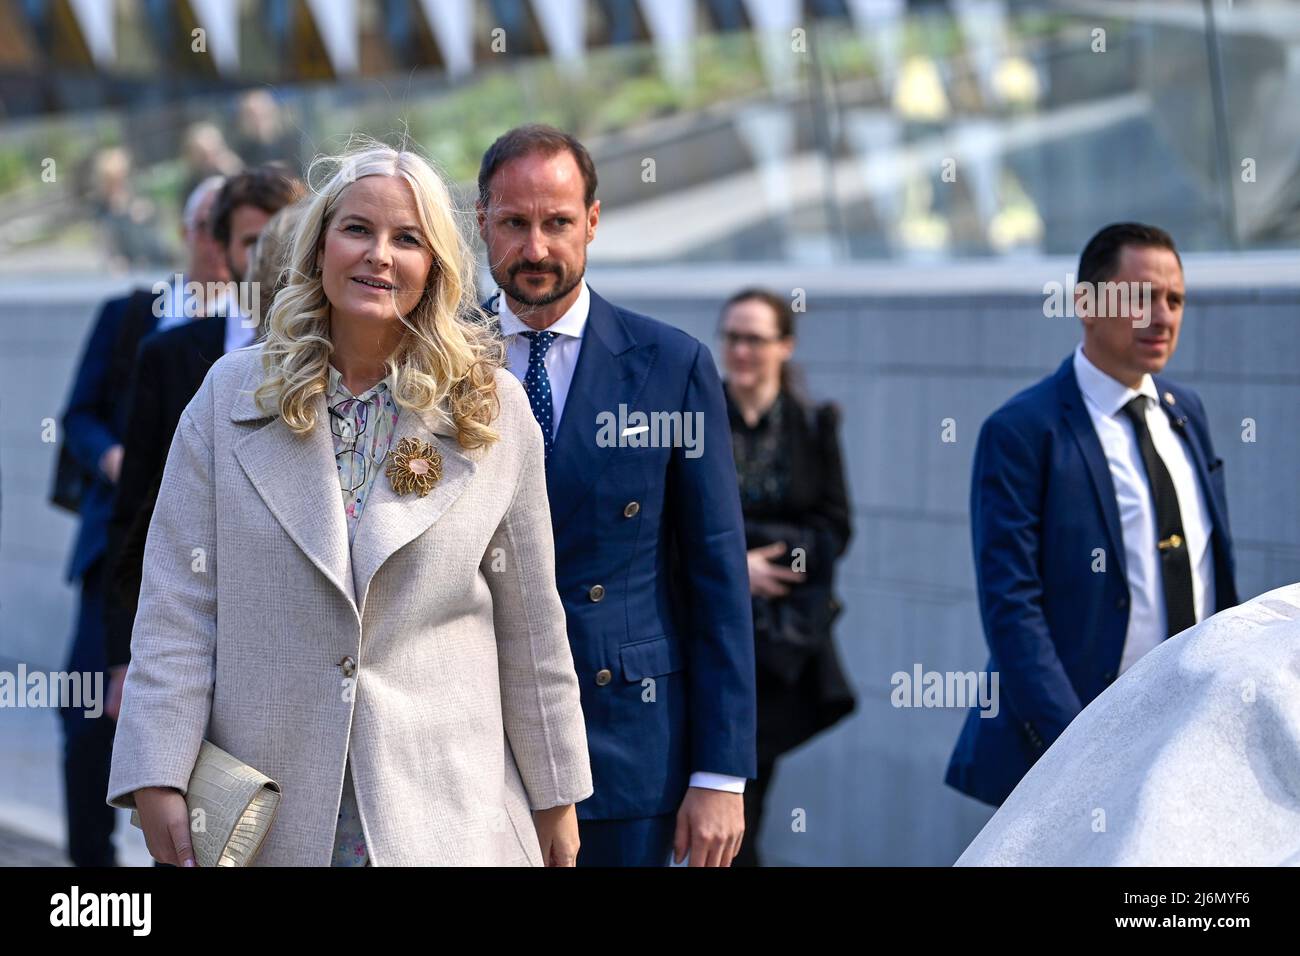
column 818, row 133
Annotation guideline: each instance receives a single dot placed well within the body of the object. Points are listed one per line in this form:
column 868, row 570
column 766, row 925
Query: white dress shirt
column 238, row 333
column 560, row 362
column 1105, row 399
column 562, row 357
column 174, row 314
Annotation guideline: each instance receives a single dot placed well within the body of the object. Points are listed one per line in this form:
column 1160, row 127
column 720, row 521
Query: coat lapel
column 1178, row 422
column 391, row 521
column 612, row 370
column 297, row 478
column 1225, row 587
column 1076, row 416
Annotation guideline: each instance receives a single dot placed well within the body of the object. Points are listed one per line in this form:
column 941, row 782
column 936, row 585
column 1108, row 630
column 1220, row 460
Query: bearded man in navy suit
column 645, row 507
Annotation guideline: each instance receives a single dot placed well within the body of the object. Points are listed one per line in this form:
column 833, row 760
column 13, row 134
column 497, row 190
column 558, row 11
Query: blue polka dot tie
column 538, row 384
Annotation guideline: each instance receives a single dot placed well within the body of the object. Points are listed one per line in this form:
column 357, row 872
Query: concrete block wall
column 872, row 787
column 899, row 363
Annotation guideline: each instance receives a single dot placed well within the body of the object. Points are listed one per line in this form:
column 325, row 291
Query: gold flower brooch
column 414, row 466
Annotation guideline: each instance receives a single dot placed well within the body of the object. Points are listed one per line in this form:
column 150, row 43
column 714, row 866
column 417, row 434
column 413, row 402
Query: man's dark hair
column 535, row 138
column 269, row 188
column 1100, row 259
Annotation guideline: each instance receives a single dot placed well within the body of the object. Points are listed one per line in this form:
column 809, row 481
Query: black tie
column 1175, row 562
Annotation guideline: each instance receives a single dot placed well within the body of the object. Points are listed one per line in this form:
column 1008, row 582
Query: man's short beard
column 512, row 289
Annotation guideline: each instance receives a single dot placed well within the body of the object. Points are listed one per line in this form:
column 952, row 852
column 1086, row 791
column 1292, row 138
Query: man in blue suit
column 649, row 538
column 1098, row 513
column 94, row 423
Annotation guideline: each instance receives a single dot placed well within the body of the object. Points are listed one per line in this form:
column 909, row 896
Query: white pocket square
column 634, row 431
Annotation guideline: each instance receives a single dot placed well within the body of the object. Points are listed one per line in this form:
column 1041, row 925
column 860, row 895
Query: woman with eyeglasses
column 797, row 525
column 349, row 578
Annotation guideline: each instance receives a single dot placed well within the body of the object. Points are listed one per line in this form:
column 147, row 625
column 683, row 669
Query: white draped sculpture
column 1191, row 758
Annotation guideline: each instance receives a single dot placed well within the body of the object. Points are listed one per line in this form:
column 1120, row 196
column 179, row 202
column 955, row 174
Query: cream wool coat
column 463, row 713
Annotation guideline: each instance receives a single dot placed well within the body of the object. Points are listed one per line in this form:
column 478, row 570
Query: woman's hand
column 110, row 463
column 767, row 579
column 113, row 700
column 166, row 822
column 557, row 832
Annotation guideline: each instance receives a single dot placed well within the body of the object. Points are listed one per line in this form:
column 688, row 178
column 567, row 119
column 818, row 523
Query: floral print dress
column 362, row 427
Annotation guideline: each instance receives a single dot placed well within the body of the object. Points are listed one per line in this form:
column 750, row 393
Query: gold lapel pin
column 414, row 466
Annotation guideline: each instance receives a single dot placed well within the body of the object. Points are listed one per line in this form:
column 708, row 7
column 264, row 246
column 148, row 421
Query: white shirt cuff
column 717, row 781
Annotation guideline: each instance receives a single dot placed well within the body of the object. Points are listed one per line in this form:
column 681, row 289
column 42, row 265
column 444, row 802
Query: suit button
column 597, row 592
column 603, row 677
column 1122, row 603
column 1108, row 677
column 630, row 510
column 348, row 666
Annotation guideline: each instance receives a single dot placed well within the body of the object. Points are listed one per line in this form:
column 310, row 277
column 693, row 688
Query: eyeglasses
column 358, row 465
column 733, row 339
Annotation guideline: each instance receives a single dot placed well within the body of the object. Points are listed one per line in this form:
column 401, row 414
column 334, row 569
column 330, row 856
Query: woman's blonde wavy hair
column 448, row 355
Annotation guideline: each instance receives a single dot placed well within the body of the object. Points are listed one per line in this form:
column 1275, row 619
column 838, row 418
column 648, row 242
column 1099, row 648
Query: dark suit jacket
column 95, row 417
column 802, row 689
column 169, row 369
column 664, row 650
column 1041, row 500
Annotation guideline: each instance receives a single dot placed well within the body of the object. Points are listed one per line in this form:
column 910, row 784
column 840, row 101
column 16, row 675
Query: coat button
column 597, row 592
column 603, row 677
column 1108, row 677
column 1122, row 603
column 348, row 666
column 631, row 508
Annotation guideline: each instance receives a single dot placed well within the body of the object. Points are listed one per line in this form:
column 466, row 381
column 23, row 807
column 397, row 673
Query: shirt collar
column 224, row 303
column 338, row 391
column 239, row 335
column 571, row 323
column 1107, row 393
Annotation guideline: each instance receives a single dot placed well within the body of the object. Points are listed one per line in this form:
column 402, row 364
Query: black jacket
column 168, row 371
column 802, row 688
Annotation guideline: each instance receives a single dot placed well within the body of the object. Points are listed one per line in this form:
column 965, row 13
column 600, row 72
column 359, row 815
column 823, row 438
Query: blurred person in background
column 129, row 221
column 169, row 369
column 246, row 203
column 1099, row 514
column 94, row 424
column 205, row 154
column 797, row 525
column 261, row 137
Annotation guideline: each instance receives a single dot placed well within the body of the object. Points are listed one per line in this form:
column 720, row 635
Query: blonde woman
column 349, row 579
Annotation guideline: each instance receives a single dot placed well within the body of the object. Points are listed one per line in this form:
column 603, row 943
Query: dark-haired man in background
column 169, row 369
column 1098, row 513
column 94, row 424
column 649, row 539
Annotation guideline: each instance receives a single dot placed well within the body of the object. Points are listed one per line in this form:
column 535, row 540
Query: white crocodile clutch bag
column 231, row 808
